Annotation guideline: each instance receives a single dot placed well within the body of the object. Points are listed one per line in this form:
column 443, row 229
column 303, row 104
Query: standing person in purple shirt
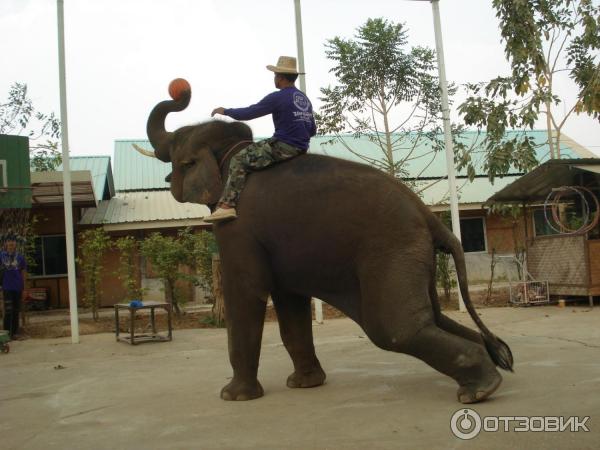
column 294, row 126
column 12, row 265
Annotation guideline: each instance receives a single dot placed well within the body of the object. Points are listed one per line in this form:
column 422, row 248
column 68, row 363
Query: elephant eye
column 187, row 164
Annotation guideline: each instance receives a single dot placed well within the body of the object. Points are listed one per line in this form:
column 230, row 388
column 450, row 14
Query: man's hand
column 219, row 110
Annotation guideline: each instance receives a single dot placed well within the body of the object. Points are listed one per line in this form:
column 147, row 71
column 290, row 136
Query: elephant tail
column 445, row 241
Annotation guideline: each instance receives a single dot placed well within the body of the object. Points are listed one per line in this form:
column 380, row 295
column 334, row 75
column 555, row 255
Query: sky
column 121, row 55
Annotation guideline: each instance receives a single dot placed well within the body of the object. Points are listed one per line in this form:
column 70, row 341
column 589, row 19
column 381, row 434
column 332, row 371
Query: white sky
column 121, row 55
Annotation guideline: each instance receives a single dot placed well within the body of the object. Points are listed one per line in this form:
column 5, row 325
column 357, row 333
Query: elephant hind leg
column 295, row 325
column 468, row 363
column 446, row 323
column 451, row 326
column 399, row 317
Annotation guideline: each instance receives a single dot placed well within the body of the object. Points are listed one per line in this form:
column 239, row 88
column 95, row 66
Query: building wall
column 154, row 286
column 500, row 234
column 499, row 237
column 594, row 264
column 112, row 289
column 51, row 221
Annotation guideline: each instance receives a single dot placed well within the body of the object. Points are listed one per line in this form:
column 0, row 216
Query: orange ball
column 177, row 87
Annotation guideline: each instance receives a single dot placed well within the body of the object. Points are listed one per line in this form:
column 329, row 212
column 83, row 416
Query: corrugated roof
column 100, row 169
column 134, row 171
column 142, row 206
column 475, row 192
column 426, row 163
column 537, row 184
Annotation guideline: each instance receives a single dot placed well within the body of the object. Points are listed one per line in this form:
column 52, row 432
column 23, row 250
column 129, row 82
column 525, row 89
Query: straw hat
column 285, row 64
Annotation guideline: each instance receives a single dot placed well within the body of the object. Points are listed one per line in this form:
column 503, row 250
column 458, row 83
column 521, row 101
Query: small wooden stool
column 135, row 339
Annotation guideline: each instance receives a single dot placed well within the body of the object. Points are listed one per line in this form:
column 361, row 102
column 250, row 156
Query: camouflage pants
column 256, row 156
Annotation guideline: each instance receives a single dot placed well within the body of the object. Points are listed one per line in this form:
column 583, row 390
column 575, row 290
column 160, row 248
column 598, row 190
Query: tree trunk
column 219, row 306
column 388, row 139
column 553, row 154
column 94, row 301
column 170, row 296
column 491, row 282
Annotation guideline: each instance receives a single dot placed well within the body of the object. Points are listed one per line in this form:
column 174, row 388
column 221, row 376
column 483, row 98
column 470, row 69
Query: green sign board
column 15, row 178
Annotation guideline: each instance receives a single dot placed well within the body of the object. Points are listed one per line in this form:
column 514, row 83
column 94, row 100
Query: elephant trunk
column 155, row 127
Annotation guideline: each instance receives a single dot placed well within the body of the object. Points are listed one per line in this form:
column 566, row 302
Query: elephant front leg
column 244, row 315
column 295, row 325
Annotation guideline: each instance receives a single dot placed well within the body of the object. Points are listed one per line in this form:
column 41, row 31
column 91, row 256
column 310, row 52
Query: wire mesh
column 529, row 293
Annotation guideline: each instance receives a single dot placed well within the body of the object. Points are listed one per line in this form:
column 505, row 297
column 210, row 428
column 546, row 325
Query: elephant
column 323, row 227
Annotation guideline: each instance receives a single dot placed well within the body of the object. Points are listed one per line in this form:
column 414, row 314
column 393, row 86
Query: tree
column 129, row 248
column 202, row 245
column 167, row 254
column 445, row 274
column 20, row 224
column 386, row 92
column 543, row 40
column 93, row 245
column 19, row 116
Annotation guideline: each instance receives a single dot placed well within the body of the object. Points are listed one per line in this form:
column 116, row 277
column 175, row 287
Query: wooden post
column 219, row 306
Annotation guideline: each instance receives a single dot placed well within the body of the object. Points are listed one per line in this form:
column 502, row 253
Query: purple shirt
column 292, row 115
column 12, row 264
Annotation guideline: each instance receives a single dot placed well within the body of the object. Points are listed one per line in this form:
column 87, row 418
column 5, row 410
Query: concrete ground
column 101, row 394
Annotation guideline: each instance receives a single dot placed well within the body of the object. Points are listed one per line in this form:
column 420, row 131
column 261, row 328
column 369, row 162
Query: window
column 541, row 226
column 3, row 176
column 472, row 234
column 50, row 256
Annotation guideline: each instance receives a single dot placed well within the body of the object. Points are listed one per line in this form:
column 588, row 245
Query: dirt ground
column 56, row 323
column 60, row 327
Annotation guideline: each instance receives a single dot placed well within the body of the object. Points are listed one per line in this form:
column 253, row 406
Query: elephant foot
column 312, row 378
column 477, row 392
column 241, row 391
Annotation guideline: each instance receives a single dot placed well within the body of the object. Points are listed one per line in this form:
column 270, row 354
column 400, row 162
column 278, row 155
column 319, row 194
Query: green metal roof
column 134, row 171
column 475, row 192
column 143, row 206
column 100, row 169
column 426, row 163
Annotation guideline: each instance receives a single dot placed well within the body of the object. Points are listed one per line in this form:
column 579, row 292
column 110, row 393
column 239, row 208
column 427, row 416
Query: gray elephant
column 323, row 227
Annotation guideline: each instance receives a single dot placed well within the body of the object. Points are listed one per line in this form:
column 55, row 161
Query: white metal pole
column 318, row 310
column 447, row 132
column 300, row 45
column 67, row 175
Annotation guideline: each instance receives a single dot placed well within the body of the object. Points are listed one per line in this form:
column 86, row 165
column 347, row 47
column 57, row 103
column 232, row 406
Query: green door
column 15, row 179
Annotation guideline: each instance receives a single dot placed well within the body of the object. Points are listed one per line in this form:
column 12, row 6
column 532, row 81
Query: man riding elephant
column 353, row 236
column 294, row 126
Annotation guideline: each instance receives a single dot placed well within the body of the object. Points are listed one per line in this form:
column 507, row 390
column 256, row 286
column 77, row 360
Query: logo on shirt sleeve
column 300, row 101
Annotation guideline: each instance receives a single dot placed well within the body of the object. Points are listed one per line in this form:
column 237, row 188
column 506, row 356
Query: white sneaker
column 221, row 214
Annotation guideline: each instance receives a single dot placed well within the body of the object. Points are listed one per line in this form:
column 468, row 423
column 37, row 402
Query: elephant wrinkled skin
column 323, row 227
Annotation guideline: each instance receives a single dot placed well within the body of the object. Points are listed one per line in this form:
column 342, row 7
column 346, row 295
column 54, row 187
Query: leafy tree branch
column 538, row 36
column 19, row 116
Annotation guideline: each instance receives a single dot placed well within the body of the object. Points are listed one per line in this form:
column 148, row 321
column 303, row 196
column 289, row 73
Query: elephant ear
column 209, row 178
